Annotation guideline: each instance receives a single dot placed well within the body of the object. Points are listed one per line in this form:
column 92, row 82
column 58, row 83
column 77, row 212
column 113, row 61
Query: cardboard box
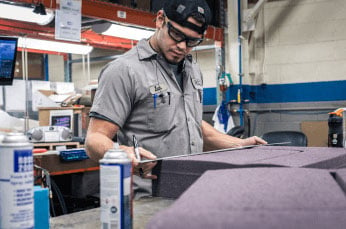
column 47, row 92
column 316, row 132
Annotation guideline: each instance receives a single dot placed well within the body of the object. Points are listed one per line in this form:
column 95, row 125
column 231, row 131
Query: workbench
column 51, row 162
column 75, row 180
column 143, row 210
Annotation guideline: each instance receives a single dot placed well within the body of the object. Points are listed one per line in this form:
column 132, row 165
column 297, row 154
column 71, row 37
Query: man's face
column 174, row 40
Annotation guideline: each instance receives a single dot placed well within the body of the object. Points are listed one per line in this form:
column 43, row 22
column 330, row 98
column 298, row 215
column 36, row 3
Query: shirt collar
column 145, row 51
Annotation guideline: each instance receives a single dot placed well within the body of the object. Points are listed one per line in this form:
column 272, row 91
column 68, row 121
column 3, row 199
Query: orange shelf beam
column 15, row 28
column 104, row 41
column 115, row 12
column 74, row 171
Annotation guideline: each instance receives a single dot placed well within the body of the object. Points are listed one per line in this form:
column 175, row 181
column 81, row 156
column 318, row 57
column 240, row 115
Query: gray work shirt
column 139, row 92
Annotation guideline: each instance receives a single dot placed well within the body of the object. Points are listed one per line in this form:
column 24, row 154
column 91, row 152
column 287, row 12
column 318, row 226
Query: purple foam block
column 176, row 175
column 258, row 198
column 340, row 177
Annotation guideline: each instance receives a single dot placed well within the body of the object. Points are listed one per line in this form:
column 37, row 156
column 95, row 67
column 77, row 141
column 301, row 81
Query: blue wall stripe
column 209, row 96
column 284, row 93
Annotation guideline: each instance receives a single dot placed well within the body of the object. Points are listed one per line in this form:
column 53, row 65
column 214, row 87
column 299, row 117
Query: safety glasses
column 179, row 36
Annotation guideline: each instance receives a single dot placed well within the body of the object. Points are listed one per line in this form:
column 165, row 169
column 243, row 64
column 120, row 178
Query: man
column 155, row 92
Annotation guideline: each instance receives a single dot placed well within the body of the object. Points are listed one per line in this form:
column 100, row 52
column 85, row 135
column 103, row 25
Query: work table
column 143, row 210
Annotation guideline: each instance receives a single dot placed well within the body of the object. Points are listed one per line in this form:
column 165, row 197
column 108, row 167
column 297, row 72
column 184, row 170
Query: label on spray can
column 16, row 182
column 115, row 190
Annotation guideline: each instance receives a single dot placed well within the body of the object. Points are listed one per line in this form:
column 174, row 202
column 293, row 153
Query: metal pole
column 219, row 68
column 46, row 67
column 83, row 65
column 240, row 88
column 25, row 78
column 88, row 67
column 68, row 66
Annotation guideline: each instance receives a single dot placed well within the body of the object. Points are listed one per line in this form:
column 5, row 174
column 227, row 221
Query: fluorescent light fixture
column 21, row 13
column 123, row 31
column 54, row 46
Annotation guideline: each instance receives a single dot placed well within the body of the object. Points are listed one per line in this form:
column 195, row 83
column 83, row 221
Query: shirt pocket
column 198, row 99
column 160, row 116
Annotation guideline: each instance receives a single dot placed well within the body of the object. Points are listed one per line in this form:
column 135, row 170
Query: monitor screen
column 8, row 52
column 61, row 120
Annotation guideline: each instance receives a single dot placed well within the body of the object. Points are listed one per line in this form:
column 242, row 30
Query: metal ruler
column 213, row 151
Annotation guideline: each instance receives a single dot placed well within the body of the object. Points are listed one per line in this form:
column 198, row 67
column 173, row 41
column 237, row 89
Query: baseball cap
column 180, row 10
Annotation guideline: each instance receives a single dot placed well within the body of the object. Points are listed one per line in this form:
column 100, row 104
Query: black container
column 335, row 132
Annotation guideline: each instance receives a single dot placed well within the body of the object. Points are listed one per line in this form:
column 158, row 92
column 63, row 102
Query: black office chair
column 237, row 131
column 295, row 138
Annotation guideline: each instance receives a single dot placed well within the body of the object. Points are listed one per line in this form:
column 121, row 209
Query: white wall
column 305, row 41
column 79, row 77
column 205, row 59
column 295, row 41
column 207, row 62
column 56, row 68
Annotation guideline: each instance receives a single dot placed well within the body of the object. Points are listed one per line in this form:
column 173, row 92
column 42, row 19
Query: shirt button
column 188, row 119
column 192, row 143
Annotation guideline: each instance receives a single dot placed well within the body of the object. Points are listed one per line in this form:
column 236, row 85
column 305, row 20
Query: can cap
column 14, row 138
column 115, row 155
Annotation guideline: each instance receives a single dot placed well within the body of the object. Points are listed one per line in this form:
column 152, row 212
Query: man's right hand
column 141, row 169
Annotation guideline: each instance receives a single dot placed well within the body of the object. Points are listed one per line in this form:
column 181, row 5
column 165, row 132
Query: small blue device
column 78, row 154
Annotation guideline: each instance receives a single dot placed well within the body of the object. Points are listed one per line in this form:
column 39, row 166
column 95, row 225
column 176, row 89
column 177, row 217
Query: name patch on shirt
column 197, row 82
column 158, row 88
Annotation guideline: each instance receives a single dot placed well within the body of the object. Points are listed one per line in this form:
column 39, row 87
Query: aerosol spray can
column 16, row 182
column 115, row 189
column 337, row 128
column 335, row 131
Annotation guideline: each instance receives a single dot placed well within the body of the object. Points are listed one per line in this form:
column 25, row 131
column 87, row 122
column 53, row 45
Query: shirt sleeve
column 115, row 92
column 99, row 116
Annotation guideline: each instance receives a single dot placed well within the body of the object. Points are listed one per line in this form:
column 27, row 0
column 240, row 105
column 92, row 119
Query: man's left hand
column 254, row 140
